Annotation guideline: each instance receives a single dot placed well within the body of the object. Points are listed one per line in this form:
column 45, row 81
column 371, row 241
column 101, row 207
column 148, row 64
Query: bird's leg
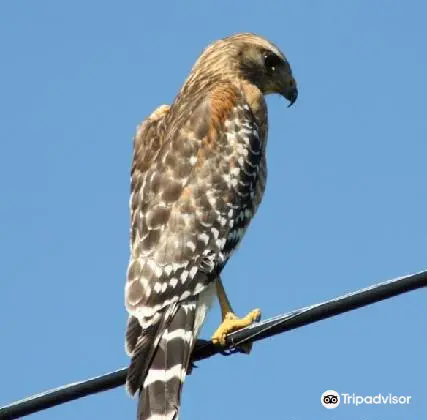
column 230, row 322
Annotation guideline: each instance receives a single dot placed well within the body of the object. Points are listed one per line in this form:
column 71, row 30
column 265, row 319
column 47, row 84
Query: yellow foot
column 232, row 323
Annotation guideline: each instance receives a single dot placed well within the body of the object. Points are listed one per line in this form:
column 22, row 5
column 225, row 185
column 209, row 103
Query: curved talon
column 232, row 323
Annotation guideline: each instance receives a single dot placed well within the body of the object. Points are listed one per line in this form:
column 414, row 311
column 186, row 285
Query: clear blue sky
column 346, row 202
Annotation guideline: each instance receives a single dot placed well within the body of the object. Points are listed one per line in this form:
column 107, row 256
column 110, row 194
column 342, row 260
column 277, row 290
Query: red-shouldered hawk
column 198, row 176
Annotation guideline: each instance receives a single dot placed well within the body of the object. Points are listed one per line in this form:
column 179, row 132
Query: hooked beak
column 291, row 91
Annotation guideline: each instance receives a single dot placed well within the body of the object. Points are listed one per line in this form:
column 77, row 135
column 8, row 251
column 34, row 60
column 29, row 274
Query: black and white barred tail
column 161, row 356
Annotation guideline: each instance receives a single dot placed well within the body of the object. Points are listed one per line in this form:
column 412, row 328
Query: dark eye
column 272, row 61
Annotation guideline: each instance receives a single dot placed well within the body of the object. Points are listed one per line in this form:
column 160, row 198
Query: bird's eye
column 272, row 61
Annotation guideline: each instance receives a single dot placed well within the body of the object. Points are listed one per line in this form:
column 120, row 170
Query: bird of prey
column 198, row 176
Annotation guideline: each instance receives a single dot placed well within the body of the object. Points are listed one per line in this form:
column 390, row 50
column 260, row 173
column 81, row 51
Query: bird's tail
column 160, row 360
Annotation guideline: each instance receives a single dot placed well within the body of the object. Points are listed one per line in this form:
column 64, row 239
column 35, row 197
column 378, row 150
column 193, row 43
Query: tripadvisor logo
column 375, row 399
column 332, row 399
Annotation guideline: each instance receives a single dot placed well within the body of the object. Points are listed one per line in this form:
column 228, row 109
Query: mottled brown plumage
column 198, row 176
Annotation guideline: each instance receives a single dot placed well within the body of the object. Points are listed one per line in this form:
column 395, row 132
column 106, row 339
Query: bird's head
column 255, row 60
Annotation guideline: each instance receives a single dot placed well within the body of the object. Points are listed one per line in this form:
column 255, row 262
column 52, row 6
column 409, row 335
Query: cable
column 63, row 394
column 205, row 349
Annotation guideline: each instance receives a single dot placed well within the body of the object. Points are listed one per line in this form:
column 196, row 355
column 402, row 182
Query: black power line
column 205, row 349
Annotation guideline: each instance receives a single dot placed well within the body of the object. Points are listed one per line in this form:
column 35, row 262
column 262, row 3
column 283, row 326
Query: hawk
column 198, row 176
